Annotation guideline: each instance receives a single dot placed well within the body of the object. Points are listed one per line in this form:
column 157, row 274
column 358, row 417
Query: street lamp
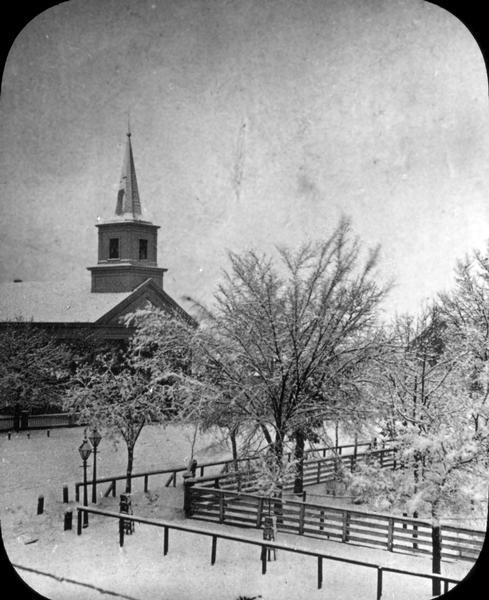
column 94, row 438
column 85, row 450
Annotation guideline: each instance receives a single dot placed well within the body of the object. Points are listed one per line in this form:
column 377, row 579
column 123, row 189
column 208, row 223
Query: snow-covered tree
column 118, row 394
column 424, row 385
column 34, row 367
column 287, row 338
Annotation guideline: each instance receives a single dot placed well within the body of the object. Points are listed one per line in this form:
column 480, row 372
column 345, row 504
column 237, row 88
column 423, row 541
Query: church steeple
column 127, row 247
column 128, row 202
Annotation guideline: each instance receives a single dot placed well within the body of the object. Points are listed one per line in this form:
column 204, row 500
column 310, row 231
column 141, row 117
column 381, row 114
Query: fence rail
column 226, row 477
column 316, row 470
column 264, row 547
column 392, row 533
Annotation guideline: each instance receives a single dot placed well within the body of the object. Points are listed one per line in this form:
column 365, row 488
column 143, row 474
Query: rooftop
column 54, row 302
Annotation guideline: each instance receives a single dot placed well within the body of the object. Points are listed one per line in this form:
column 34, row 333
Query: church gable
column 147, row 295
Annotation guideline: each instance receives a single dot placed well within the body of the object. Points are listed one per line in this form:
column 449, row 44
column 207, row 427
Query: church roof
column 71, row 302
column 128, row 203
column 54, row 302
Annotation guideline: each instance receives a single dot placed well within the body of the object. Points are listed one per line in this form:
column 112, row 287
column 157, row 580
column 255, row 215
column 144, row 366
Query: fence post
column 213, row 549
column 320, row 572
column 79, row 522
column 174, row 479
column 146, row 477
column 346, row 522
column 221, row 508
column 114, row 488
column 381, row 459
column 321, row 520
column 259, row 514
column 379, row 583
column 68, row 520
column 301, row 519
column 165, row 541
column 390, row 535
column 263, row 560
column 40, row 505
column 188, row 482
column 415, row 530
column 121, row 532
column 319, row 471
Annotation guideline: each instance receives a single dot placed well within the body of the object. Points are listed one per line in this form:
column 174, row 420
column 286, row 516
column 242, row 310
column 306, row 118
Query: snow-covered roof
column 54, row 301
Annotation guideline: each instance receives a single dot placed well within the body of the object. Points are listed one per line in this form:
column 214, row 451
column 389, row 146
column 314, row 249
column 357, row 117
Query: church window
column 143, row 249
column 114, row 248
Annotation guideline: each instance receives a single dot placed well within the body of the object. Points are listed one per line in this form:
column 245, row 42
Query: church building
column 125, row 278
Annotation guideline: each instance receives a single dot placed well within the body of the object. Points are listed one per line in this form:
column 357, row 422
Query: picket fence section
column 392, row 533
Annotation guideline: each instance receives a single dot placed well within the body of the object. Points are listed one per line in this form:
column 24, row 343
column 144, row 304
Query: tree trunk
column 299, row 458
column 436, row 556
column 130, row 459
column 234, row 447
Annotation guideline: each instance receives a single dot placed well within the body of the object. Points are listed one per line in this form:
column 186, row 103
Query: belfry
column 127, row 244
column 126, row 278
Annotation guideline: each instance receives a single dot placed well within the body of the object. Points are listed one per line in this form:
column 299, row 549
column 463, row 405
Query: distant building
column 125, row 278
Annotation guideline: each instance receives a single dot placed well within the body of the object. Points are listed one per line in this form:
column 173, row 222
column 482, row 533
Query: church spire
column 128, row 203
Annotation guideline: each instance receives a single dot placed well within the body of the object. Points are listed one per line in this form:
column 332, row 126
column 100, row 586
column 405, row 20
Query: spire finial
column 128, row 123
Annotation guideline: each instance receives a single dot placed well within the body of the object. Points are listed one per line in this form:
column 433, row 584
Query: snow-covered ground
column 139, row 570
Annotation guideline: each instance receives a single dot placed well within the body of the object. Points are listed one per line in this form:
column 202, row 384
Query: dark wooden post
column 221, row 507
column 68, row 520
column 301, row 519
column 188, row 483
column 320, row 572
column 321, row 520
column 165, row 541
column 346, row 529
column 263, row 560
column 436, row 557
column 379, row 583
column 390, row 535
column 415, row 531
column 213, row 549
column 259, row 513
column 146, row 477
column 79, row 522
column 121, row 532
column 40, row 505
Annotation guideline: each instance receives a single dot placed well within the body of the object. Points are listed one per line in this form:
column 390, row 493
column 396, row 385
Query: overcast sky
column 255, row 122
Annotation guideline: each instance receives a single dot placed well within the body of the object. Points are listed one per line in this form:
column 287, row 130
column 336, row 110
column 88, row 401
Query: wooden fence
column 264, row 547
column 396, row 534
column 315, row 470
column 26, row 421
column 226, row 474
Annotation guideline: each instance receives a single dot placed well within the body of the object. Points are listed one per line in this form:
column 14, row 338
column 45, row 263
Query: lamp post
column 94, row 438
column 85, row 450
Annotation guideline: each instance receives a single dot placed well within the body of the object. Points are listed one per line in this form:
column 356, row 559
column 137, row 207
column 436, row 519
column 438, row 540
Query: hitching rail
column 215, row 535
